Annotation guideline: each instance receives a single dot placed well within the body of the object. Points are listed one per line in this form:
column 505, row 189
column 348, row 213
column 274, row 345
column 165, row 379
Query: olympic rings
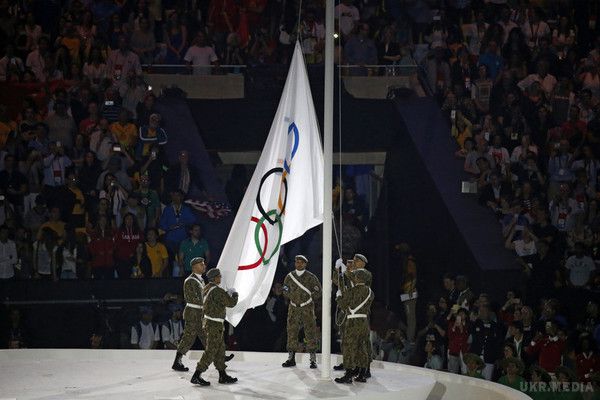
column 262, row 254
column 260, row 226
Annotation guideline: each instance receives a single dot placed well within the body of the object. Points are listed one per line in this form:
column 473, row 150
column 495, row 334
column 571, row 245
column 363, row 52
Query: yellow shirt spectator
column 158, row 256
column 126, row 134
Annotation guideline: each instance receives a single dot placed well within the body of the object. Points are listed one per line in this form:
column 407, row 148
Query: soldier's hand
column 285, row 288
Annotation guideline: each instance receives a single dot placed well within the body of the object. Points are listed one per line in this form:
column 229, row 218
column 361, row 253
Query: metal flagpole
column 327, row 198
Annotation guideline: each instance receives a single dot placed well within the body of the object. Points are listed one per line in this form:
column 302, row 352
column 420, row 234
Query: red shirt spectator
column 549, row 351
column 458, row 336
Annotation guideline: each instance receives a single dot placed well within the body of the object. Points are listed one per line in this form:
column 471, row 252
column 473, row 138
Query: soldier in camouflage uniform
column 357, row 302
column 193, row 313
column 216, row 300
column 359, row 265
column 341, row 278
column 302, row 289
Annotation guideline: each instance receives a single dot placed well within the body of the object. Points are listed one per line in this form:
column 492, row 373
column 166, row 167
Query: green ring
column 257, row 232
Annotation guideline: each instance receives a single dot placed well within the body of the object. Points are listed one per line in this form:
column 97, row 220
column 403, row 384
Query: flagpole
column 327, row 193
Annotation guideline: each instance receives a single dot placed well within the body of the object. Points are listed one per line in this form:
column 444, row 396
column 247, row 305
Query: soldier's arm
column 286, row 287
column 346, row 299
column 228, row 300
column 316, row 288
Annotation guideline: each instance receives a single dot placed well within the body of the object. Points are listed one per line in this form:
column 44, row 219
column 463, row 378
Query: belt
column 301, row 305
column 351, row 316
column 221, row 320
column 191, row 305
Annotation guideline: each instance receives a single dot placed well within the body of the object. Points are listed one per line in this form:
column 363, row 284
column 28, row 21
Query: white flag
column 283, row 200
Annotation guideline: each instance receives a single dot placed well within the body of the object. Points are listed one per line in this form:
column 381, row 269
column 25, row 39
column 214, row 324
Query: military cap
column 196, row 260
column 301, row 257
column 361, row 257
column 213, row 273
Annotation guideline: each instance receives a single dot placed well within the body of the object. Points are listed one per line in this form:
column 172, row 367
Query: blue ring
column 293, row 128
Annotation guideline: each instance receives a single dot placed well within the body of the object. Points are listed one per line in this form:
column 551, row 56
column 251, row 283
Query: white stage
column 134, row 374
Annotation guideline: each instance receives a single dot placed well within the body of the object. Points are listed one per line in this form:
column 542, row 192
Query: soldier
column 302, row 289
column 193, row 313
column 216, row 300
column 341, row 278
column 359, row 264
column 356, row 301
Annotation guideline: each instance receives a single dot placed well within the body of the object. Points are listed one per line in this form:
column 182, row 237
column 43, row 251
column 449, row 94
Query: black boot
column 368, row 372
column 313, row 360
column 224, row 378
column 347, row 378
column 361, row 375
column 229, row 357
column 177, row 365
column 355, row 371
column 339, row 367
column 291, row 361
column 197, row 379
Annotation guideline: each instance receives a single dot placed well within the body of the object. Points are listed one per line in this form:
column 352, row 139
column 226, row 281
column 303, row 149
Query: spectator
column 175, row 37
column 486, row 340
column 145, row 334
column 579, row 267
column 348, row 16
column 548, row 348
column 172, row 330
column 54, row 223
column 458, row 336
column 149, row 200
column 12, row 182
column 61, row 126
column 121, row 61
column 132, row 207
column 174, row 220
column 44, row 260
column 8, row 255
column 449, row 282
column 11, row 66
column 125, row 132
column 434, row 360
column 192, row 247
column 474, row 365
column 126, row 242
column 141, row 265
column 150, row 135
column 183, row 175
column 465, row 294
column 514, row 370
column 37, row 215
column 143, row 42
column 491, row 60
column 493, row 192
column 157, row 254
column 101, row 249
column 69, row 256
column 36, row 59
column 95, row 68
column 360, row 50
column 200, row 56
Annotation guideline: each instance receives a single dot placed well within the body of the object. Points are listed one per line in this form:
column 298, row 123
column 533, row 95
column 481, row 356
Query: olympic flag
column 284, row 198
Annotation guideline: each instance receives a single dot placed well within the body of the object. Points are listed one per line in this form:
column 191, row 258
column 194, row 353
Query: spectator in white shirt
column 122, row 61
column 200, row 55
column 519, row 154
column 580, row 267
column 8, row 254
column 145, row 334
column 172, row 330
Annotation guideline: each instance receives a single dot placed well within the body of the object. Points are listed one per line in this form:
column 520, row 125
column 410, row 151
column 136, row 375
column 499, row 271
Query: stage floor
column 136, row 374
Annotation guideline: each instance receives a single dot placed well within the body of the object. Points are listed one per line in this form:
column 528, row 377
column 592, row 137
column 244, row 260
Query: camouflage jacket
column 192, row 290
column 354, row 297
column 216, row 300
column 296, row 294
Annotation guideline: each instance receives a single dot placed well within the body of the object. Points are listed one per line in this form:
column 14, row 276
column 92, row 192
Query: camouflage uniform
column 216, row 300
column 368, row 278
column 192, row 314
column 301, row 311
column 357, row 301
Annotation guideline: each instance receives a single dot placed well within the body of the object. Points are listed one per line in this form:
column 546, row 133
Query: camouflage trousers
column 302, row 317
column 356, row 335
column 192, row 330
column 215, row 347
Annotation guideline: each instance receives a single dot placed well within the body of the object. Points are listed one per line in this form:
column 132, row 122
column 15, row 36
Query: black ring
column 259, row 203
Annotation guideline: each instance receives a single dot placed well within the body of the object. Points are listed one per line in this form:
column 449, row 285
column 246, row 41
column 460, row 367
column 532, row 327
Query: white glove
column 340, row 264
column 338, row 294
column 231, row 292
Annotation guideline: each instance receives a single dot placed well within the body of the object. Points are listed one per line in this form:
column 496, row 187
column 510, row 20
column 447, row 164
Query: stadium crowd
column 87, row 190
